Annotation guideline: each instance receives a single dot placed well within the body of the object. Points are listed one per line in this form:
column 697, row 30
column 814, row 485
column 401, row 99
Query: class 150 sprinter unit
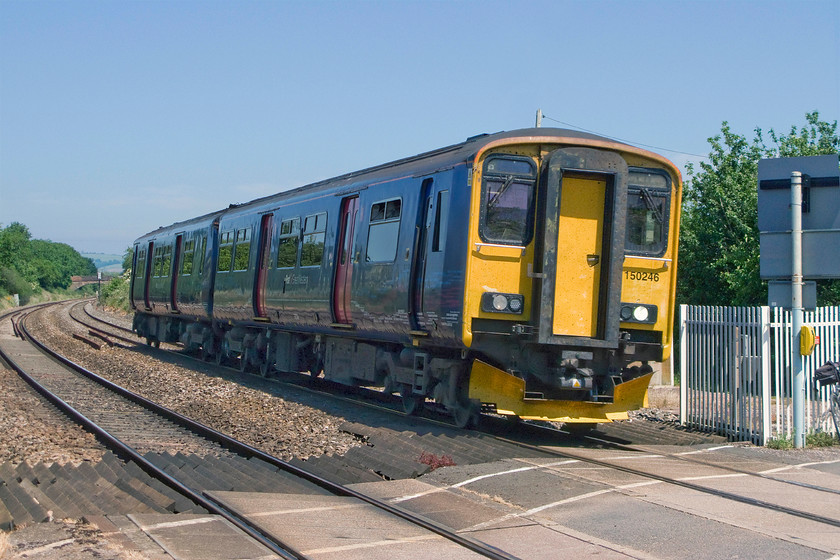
column 529, row 273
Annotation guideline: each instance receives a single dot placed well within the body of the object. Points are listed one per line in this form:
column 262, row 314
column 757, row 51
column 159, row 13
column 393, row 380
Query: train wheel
column 412, row 404
column 388, row 385
column 207, row 347
column 466, row 414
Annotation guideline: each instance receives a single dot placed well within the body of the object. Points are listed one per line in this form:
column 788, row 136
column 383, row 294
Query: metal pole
column 796, row 309
column 539, row 118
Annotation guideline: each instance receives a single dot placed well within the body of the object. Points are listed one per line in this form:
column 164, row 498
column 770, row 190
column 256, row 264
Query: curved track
column 127, row 421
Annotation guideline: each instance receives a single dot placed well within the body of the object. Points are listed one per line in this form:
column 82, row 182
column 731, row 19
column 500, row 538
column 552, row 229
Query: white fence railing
column 735, row 370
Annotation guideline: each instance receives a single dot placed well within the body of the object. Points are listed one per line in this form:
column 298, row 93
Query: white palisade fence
column 736, row 375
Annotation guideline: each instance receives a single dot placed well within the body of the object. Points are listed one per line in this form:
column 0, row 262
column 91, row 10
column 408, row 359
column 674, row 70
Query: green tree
column 55, row 263
column 26, row 264
column 15, row 252
column 128, row 259
column 719, row 249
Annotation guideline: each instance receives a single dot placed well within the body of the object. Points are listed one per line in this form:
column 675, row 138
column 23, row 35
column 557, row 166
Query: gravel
column 260, row 418
column 34, row 431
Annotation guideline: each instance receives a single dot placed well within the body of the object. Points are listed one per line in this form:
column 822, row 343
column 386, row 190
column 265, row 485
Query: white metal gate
column 735, row 370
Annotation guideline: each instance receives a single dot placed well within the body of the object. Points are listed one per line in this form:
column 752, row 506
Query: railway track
column 521, row 433
column 615, row 455
column 147, row 434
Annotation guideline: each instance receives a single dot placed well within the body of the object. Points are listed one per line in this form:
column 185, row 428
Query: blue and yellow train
column 529, row 273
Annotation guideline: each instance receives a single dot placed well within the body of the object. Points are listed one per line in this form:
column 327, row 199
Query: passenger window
column 202, row 245
column 166, row 261
column 314, row 234
column 507, row 200
column 242, row 254
column 225, row 252
column 189, row 258
column 384, row 232
column 648, row 208
column 287, row 247
column 156, row 263
column 141, row 264
column 441, row 216
column 162, row 261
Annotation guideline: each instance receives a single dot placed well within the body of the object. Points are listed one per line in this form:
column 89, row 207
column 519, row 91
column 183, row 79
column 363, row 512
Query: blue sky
column 119, row 117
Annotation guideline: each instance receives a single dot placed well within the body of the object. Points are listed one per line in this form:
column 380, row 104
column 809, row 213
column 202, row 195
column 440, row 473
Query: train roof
column 426, row 162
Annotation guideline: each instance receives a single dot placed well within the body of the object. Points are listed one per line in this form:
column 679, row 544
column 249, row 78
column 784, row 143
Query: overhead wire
column 625, row 140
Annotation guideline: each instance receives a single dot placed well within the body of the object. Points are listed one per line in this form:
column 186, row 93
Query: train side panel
column 299, row 271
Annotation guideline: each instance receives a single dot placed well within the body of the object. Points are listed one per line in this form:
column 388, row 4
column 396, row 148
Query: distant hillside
column 105, row 262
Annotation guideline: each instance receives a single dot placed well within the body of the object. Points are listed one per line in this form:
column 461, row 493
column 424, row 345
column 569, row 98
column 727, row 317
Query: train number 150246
column 641, row 275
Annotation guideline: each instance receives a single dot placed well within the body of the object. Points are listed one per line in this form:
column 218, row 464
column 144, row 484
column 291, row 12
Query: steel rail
column 729, row 468
column 240, row 447
column 112, row 325
column 126, row 451
column 96, row 328
column 612, row 444
column 684, row 484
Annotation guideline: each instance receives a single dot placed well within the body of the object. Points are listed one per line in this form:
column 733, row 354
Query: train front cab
column 563, row 319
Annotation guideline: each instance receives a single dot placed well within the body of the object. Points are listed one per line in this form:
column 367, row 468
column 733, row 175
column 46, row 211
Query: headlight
column 641, row 314
column 638, row 313
column 495, row 302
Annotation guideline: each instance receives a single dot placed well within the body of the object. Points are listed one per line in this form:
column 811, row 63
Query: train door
column 135, row 256
column 344, row 260
column 586, row 193
column 263, row 256
column 176, row 269
column 427, row 272
column 148, row 276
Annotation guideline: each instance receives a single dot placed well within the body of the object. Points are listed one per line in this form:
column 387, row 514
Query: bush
column 781, row 443
column 813, row 439
column 821, row 439
column 12, row 282
column 115, row 293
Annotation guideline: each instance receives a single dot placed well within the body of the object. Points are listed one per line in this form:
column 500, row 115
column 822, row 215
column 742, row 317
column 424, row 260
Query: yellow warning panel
column 491, row 385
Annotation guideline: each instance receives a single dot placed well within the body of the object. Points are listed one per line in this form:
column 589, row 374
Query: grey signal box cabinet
column 820, row 216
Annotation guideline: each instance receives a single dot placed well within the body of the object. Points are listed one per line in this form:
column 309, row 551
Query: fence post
column 683, row 364
column 766, row 387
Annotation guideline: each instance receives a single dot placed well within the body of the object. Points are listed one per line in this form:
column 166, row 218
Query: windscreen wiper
column 502, row 189
column 652, row 206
